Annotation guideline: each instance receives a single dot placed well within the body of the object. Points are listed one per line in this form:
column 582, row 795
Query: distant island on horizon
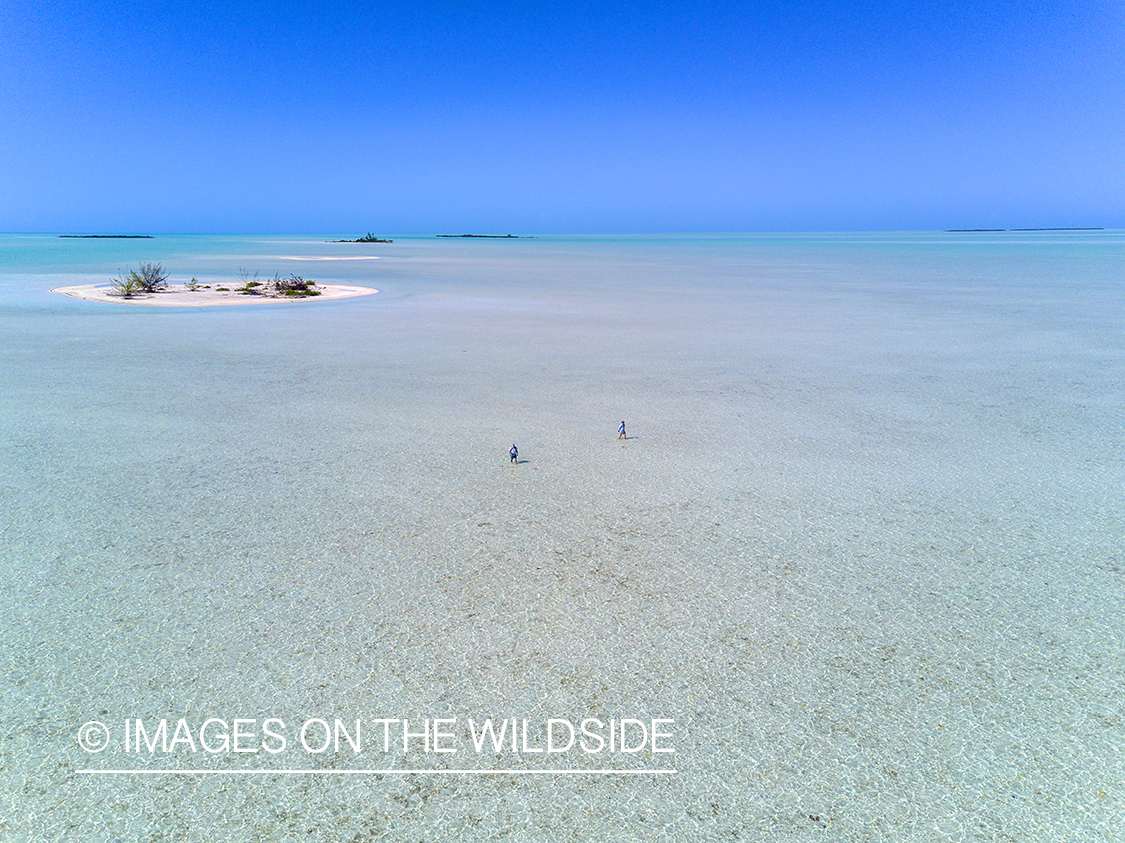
column 367, row 238
column 978, row 230
column 107, row 236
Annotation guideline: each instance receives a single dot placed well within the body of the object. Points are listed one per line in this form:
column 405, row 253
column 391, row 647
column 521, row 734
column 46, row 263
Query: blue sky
column 560, row 117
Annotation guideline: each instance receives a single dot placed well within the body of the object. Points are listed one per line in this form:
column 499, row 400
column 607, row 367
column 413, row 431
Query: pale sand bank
column 177, row 295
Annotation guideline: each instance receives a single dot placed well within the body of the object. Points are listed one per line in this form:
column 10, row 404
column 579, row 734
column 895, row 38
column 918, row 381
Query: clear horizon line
column 378, row 772
column 531, row 233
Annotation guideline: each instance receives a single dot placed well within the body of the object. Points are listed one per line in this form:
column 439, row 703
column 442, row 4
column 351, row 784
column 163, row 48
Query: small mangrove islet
column 367, row 238
column 149, row 285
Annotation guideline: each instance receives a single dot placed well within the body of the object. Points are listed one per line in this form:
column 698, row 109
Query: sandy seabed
column 863, row 545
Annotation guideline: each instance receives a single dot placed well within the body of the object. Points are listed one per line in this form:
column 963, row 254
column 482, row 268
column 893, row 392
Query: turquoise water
column 863, row 547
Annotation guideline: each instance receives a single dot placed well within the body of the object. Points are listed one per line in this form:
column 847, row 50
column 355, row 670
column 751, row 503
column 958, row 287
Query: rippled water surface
column 863, row 546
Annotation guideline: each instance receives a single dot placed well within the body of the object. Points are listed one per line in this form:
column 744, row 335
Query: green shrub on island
column 193, row 284
column 125, row 286
column 294, row 286
column 249, row 287
column 147, row 278
column 153, row 277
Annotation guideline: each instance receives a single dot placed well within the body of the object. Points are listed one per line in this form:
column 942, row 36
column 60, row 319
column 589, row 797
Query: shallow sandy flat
column 177, row 295
column 862, row 544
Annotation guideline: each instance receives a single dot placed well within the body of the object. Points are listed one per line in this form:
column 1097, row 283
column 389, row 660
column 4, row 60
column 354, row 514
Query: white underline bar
column 377, row 772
